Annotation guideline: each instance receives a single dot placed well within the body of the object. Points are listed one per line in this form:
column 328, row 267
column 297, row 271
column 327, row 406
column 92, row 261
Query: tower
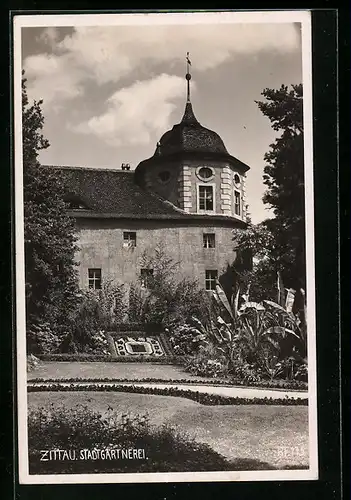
column 192, row 169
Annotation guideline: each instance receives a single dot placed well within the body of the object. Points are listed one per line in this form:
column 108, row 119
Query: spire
column 188, row 76
column 188, row 116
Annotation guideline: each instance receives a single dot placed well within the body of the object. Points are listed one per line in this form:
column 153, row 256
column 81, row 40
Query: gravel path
column 240, row 392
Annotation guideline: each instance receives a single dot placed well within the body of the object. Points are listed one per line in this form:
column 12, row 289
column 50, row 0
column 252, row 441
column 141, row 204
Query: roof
column 189, row 138
column 111, row 191
column 190, row 135
column 108, row 193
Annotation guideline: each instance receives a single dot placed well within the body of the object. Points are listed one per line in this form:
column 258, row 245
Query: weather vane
column 188, row 75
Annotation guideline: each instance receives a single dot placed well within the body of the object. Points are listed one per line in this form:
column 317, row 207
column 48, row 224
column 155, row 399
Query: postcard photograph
column 165, row 317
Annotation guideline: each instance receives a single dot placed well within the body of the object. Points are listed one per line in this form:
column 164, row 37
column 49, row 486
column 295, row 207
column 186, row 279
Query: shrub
column 169, row 300
column 42, row 339
column 166, row 449
column 206, row 363
column 97, row 311
column 185, row 339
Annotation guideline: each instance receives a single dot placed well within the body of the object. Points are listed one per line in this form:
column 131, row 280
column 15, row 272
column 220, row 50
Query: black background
column 331, row 106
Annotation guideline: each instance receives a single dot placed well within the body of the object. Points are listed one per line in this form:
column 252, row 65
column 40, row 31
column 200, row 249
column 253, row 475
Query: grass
column 75, row 441
column 90, row 370
column 253, row 437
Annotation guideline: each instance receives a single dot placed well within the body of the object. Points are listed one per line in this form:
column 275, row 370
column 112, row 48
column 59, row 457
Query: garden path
column 239, row 392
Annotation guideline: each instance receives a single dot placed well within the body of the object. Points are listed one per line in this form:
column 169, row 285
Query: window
column 145, row 277
column 236, row 180
column 164, row 177
column 94, row 278
column 73, row 202
column 129, row 239
column 211, row 279
column 205, row 173
column 206, row 197
column 237, row 203
column 209, row 240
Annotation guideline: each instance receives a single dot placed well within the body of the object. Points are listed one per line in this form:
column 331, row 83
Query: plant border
column 199, row 397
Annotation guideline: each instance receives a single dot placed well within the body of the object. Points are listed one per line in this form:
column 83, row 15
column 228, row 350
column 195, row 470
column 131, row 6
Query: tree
column 278, row 244
column 284, row 178
column 165, row 297
column 49, row 234
column 259, row 242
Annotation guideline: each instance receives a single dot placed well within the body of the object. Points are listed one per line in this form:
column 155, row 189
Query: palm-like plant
column 266, row 335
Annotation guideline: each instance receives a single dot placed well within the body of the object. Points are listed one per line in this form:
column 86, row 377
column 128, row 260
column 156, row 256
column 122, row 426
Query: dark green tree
column 49, row 234
column 284, row 178
column 279, row 243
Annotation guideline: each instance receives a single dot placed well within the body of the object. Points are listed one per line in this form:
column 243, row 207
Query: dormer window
column 73, row 202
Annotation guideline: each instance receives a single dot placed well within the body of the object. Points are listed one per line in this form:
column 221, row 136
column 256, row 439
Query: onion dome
column 189, row 139
column 190, row 136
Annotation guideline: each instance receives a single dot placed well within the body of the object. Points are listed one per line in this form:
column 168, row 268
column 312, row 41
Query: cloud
column 136, row 114
column 107, row 54
column 54, row 79
column 49, row 35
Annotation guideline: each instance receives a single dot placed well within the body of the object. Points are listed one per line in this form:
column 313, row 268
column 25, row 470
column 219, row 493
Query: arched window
column 237, row 180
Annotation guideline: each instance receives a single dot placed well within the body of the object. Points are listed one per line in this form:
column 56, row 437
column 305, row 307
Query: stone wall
column 101, row 246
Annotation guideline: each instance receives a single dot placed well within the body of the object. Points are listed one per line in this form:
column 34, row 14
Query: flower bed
column 199, row 397
column 264, row 384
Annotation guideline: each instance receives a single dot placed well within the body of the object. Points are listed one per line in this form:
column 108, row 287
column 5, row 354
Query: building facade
column 187, row 198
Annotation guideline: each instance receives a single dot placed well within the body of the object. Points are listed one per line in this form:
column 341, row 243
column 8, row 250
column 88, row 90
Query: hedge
column 199, row 397
column 216, row 382
column 162, row 360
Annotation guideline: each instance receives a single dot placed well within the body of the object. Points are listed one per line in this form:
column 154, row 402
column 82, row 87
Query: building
column 187, row 198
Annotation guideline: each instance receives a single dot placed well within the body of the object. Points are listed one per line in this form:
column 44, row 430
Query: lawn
column 273, row 435
column 132, row 371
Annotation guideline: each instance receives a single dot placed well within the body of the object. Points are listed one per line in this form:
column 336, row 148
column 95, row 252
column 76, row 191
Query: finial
column 188, row 76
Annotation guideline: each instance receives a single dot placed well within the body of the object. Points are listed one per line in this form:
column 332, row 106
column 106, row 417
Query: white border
column 47, row 20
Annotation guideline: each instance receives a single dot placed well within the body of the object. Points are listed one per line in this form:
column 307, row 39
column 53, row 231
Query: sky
column 110, row 92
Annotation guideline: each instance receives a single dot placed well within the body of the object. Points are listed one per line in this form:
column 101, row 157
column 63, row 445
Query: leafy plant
column 166, row 299
column 207, row 363
column 185, row 339
column 97, row 311
column 256, row 339
column 41, row 339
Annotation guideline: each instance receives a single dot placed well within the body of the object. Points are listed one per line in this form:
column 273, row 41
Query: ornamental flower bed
column 199, row 397
column 264, row 384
